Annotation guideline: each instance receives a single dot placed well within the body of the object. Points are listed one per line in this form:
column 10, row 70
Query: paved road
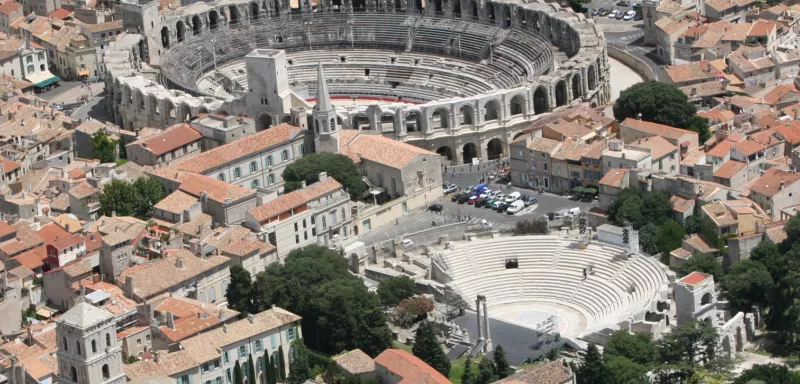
column 95, row 108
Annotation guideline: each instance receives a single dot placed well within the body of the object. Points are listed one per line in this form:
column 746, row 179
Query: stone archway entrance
column 470, row 152
column 494, row 149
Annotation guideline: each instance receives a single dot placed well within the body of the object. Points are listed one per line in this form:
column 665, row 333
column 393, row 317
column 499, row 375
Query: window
column 271, row 179
column 237, row 173
column 228, row 375
column 221, row 177
column 259, row 346
column 324, row 224
column 94, row 346
column 268, row 161
column 242, row 351
column 254, row 184
column 218, row 380
column 64, row 342
column 30, row 68
column 304, row 223
column 284, row 155
column 290, row 334
column 29, row 59
column 253, row 166
column 297, row 239
column 305, row 235
column 226, row 358
column 295, row 227
column 302, row 149
column 78, row 347
column 544, row 166
column 40, row 56
column 344, row 216
column 138, row 342
column 184, row 379
column 106, row 373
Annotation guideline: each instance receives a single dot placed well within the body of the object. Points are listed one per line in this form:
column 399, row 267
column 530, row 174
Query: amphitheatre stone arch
column 518, row 105
column 494, row 149
column 165, row 35
column 446, row 152
column 470, row 151
column 591, row 77
column 213, row 19
column 169, row 107
column 518, row 135
column 139, row 100
column 491, row 13
column 473, row 10
column 540, row 100
column 506, row 22
column 233, row 14
column 197, row 25
column 562, row 98
column 361, row 121
column 577, row 85
column 153, row 107
column 185, row 112
column 413, row 120
column 457, row 9
column 255, row 10
column 466, row 115
column 440, row 118
column 492, row 110
column 180, row 29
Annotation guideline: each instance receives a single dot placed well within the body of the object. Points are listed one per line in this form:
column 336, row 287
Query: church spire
column 323, row 98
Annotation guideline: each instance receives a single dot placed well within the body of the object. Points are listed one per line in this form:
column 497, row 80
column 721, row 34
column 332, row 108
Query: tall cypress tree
column 238, row 378
column 501, row 366
column 592, row 370
column 468, row 377
column 427, row 348
column 251, row 370
column 281, row 364
column 299, row 371
column 269, row 377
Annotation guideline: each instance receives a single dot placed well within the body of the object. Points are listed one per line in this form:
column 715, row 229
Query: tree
column 238, row 293
column 281, row 372
column 708, row 231
column 768, row 373
column 591, row 371
column 123, row 153
column 392, row 290
column 636, row 347
column 338, row 311
column 621, row 370
column 670, row 236
column 238, row 377
column 251, row 370
column 534, row 226
column 660, row 103
column 269, row 369
column 485, row 372
column 746, row 284
column 502, row 368
column 681, row 349
column 130, row 199
column 468, row 377
column 103, row 148
column 340, row 167
column 639, row 207
column 299, row 370
column 427, row 348
column 647, row 239
column 703, row 262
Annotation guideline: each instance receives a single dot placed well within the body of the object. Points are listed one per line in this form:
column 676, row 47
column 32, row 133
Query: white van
column 515, row 207
column 573, row 212
column 407, row 243
column 512, row 197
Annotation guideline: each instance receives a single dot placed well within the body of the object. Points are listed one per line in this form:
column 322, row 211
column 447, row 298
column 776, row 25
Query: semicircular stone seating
column 551, row 270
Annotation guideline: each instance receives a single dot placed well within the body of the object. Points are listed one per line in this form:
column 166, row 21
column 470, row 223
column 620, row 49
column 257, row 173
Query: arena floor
column 569, row 322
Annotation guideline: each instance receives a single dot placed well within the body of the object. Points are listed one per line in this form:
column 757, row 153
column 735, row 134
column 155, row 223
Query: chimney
column 251, row 318
column 179, row 262
column 323, row 176
column 221, row 313
column 225, row 328
column 783, row 184
column 96, row 278
column 303, row 184
column 694, row 91
column 157, row 356
column 170, row 320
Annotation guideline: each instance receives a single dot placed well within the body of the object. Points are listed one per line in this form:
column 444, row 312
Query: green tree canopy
column 393, row 290
column 468, row 377
column 299, row 370
column 486, row 371
column 647, row 238
column 670, row 236
column 746, row 284
column 768, row 373
column 238, row 377
column 681, row 349
column 238, row 293
column 640, row 207
column 131, row 199
column 340, row 167
column 502, row 368
column 592, row 370
column 338, row 312
column 103, row 148
column 703, row 262
column 636, row 347
column 621, row 370
column 660, row 103
column 427, row 348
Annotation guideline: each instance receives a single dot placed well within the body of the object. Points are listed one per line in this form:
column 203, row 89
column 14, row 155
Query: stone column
column 478, row 311
column 488, row 345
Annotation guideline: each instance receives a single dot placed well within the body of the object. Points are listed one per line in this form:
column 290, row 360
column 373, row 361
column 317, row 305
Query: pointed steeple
column 323, row 98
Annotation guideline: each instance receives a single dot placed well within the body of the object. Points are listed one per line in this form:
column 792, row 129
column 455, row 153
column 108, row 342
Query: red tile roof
column 770, row 182
column 33, row 258
column 52, row 231
column 694, row 278
column 294, row 199
column 172, row 138
column 9, row 7
column 748, row 147
column 729, row 169
column 656, row 129
column 614, row 177
column 379, row 149
column 68, row 242
column 721, row 149
column 9, row 165
column 60, row 14
column 217, row 190
column 410, row 368
column 790, row 133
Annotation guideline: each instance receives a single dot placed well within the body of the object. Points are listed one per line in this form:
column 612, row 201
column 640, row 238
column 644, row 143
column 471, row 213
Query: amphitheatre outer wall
column 460, row 128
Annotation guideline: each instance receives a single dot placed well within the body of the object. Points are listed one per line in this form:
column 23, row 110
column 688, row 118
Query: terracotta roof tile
column 33, row 258
column 553, row 372
column 103, row 27
column 83, row 190
column 694, row 278
column 748, row 147
column 542, row 144
column 614, row 177
column 657, row 129
column 729, row 169
column 658, row 146
column 379, row 149
column 679, row 204
column 770, row 182
column 217, row 190
column 26, row 239
column 172, row 138
column 294, row 199
column 9, row 7
column 9, row 165
column 60, row 14
column 176, row 202
column 410, row 368
column 355, row 362
column 153, row 278
column 700, row 70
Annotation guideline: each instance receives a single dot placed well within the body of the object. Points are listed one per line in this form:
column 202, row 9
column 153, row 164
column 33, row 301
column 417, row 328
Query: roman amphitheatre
column 461, row 78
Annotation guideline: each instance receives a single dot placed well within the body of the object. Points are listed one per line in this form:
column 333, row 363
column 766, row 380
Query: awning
column 83, row 72
column 43, row 79
column 590, row 190
column 44, row 313
column 579, row 189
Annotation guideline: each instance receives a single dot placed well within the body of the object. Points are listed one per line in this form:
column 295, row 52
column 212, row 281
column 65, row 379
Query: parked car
column 573, row 212
column 613, row 14
column 624, row 3
column 435, row 208
column 515, row 207
column 501, row 207
column 629, row 15
column 456, row 196
column 605, row 12
column 620, row 15
column 481, row 202
column 463, row 198
column 473, row 199
column 512, row 197
column 638, row 17
column 598, row 11
column 407, row 243
column 530, row 201
column 450, row 189
column 636, row 6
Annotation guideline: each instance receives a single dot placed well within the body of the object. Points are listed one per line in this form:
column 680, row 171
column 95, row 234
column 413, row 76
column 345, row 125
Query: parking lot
column 614, row 5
